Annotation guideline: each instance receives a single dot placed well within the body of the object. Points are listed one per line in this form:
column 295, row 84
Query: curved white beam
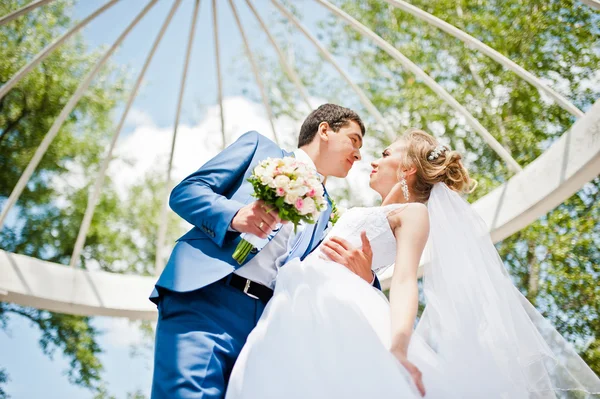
column 93, row 200
column 255, row 71
column 44, row 285
column 562, row 170
column 490, row 52
column 162, row 222
column 23, row 10
column 51, row 47
column 219, row 77
column 327, row 55
column 43, row 147
column 430, row 82
column 555, row 176
column 286, row 67
column 592, row 3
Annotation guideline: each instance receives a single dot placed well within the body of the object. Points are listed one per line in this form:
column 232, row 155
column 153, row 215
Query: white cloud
column 119, row 332
column 139, row 117
column 148, row 146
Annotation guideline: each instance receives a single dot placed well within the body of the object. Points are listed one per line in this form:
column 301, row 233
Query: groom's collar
column 302, row 156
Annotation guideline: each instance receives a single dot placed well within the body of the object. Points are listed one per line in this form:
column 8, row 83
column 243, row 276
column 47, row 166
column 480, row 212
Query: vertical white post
column 162, row 224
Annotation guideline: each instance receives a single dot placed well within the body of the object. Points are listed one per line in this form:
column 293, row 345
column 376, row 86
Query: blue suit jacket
column 209, row 199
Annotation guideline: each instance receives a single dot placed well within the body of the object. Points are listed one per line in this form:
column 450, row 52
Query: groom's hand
column 256, row 218
column 357, row 260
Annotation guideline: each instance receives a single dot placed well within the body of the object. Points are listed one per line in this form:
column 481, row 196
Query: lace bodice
column 374, row 221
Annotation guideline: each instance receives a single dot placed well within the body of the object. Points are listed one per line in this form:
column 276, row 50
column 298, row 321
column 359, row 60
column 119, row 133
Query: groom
column 207, row 303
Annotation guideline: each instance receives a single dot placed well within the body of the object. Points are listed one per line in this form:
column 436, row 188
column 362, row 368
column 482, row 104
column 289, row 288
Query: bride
column 326, row 333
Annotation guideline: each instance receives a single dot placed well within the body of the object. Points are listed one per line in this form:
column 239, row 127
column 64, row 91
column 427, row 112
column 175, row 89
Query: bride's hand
column 414, row 372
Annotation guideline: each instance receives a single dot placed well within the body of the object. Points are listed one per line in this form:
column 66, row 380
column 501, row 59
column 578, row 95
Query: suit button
column 254, row 251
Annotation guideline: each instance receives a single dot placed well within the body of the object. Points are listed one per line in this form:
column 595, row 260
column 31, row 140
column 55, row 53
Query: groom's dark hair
column 335, row 115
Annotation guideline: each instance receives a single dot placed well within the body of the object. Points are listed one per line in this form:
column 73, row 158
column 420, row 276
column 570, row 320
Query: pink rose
column 299, row 204
column 312, row 192
column 280, row 192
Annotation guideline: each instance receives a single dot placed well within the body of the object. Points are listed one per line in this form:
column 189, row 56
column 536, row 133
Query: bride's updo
column 441, row 166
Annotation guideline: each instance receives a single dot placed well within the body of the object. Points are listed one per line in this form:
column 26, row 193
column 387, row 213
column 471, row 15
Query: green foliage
column 3, row 380
column 335, row 212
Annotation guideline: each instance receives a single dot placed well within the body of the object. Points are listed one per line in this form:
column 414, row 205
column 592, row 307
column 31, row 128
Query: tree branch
column 12, row 125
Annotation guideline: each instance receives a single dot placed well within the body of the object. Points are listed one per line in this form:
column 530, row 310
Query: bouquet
column 291, row 188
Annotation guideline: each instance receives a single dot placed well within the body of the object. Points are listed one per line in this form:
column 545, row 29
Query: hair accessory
column 437, row 151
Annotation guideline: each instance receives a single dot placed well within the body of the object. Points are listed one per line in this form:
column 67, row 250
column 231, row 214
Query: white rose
column 259, row 171
column 267, row 180
column 287, row 169
column 298, row 188
column 290, row 198
column 319, row 191
column 308, row 206
column 282, row 181
column 321, row 202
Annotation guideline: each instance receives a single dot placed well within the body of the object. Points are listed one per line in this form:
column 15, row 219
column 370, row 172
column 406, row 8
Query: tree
column 51, row 208
column 3, row 380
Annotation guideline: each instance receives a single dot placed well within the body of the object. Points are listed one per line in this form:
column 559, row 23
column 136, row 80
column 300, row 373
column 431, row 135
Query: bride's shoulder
column 414, row 213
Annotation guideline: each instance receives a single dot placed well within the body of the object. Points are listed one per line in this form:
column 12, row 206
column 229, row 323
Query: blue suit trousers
column 199, row 336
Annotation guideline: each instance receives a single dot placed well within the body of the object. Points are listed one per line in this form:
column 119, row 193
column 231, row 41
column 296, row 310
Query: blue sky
column 34, row 375
column 160, row 90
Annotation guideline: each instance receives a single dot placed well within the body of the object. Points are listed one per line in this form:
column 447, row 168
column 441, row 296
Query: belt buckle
column 247, row 287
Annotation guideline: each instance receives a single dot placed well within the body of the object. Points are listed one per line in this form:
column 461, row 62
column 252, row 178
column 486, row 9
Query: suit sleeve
column 200, row 197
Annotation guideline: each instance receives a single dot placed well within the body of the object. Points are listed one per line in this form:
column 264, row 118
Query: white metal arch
column 557, row 174
column 51, row 47
column 490, row 52
column 284, row 64
column 162, row 224
column 43, row 147
column 359, row 92
column 430, row 82
column 23, row 10
column 218, row 67
column 93, row 200
column 255, row 72
column 553, row 177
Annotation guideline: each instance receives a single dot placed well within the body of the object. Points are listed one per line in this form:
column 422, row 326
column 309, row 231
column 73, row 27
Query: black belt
column 249, row 287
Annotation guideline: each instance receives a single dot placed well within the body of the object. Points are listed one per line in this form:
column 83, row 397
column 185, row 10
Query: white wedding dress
column 326, row 332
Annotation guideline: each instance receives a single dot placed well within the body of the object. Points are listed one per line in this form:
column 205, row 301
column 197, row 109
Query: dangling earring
column 404, row 186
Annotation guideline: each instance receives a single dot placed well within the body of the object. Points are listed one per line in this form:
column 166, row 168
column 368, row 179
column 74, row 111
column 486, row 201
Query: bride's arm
column 411, row 228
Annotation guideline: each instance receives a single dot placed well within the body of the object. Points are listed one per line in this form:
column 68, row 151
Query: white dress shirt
column 264, row 266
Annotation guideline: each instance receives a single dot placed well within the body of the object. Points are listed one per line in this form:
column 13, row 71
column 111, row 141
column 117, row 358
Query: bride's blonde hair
column 445, row 168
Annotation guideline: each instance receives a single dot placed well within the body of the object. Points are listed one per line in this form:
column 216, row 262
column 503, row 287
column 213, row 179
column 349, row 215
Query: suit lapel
column 319, row 228
column 310, row 236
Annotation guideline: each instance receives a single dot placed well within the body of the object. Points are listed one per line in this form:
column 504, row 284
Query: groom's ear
column 323, row 131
